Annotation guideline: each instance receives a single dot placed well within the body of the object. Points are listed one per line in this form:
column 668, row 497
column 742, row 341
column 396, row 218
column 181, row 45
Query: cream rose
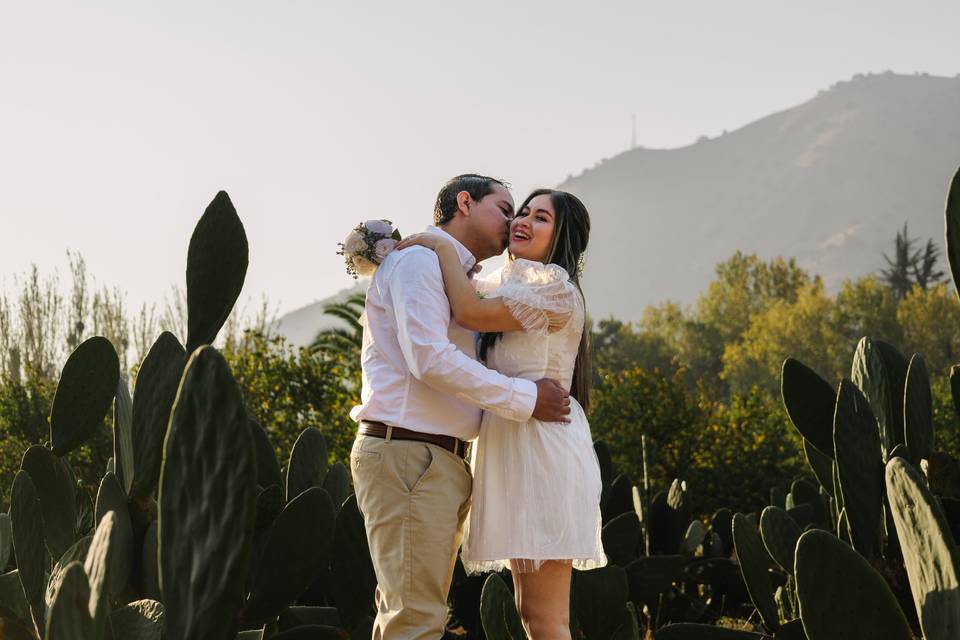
column 383, row 247
column 354, row 243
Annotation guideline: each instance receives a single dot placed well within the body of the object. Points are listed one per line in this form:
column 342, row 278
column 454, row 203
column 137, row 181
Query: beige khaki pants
column 414, row 498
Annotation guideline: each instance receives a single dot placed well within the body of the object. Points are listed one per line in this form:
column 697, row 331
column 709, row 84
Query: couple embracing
column 529, row 499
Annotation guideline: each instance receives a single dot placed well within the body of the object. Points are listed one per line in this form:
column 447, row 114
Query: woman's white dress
column 536, row 489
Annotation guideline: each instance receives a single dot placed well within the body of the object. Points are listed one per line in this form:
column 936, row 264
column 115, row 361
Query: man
column 422, row 399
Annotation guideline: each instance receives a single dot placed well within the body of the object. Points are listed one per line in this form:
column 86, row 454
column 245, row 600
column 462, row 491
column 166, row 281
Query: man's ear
column 464, row 200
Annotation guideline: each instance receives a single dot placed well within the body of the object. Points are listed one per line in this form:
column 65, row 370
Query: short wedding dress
column 536, row 489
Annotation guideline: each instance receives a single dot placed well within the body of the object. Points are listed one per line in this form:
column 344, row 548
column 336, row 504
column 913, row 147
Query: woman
column 536, row 496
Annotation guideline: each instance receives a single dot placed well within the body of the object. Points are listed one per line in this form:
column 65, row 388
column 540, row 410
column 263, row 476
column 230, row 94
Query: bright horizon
column 119, row 124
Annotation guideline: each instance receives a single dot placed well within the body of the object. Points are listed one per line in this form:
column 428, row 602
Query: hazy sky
column 119, row 121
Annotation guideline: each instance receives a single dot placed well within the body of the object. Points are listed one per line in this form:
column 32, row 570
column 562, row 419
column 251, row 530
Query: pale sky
column 119, row 121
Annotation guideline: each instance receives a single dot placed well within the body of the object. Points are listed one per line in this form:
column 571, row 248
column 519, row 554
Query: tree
column 924, row 271
column 909, row 267
column 863, row 307
column 800, row 329
column 288, row 390
column 930, row 320
column 744, row 287
column 617, row 346
column 342, row 339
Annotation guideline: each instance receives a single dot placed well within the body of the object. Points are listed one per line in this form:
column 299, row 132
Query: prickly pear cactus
column 157, row 382
column 498, row 613
column 207, row 485
column 880, row 372
column 54, row 483
column 107, row 565
column 76, row 553
column 123, row 434
column 810, row 402
column 217, row 261
column 599, row 599
column 929, row 551
column 142, row 619
column 952, row 215
column 27, row 525
column 841, row 595
column 69, row 617
column 918, row 411
column 6, row 539
column 780, row 534
column 308, row 462
column 859, row 467
column 87, row 385
column 621, row 537
column 298, row 546
column 754, row 564
column 820, row 464
column 337, row 484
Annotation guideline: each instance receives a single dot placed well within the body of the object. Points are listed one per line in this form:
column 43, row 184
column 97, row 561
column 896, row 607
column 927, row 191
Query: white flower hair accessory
column 367, row 245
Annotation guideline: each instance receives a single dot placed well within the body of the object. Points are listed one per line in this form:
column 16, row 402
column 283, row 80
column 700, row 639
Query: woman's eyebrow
column 549, row 213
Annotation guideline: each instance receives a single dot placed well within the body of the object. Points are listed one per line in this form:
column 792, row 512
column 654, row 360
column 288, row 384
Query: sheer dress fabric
column 536, row 490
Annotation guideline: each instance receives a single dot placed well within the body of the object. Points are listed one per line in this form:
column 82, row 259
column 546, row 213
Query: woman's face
column 531, row 232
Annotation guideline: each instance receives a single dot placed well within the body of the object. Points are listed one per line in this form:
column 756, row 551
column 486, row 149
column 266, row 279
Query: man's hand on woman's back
column 553, row 401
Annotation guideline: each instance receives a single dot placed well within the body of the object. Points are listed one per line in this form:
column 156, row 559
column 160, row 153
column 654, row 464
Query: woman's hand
column 426, row 239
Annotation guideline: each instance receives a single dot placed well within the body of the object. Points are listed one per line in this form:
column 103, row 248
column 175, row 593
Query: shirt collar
column 467, row 259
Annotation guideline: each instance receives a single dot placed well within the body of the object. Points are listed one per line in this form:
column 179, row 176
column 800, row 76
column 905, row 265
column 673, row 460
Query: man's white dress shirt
column 419, row 366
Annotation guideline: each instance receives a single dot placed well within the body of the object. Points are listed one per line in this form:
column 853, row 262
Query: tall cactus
column 297, row 548
column 207, row 485
column 810, row 401
column 87, row 385
column 780, row 534
column 157, row 382
column 918, row 411
column 599, row 599
column 952, row 215
column 123, row 434
column 308, row 462
column 841, row 595
column 27, row 525
column 880, row 371
column 859, row 466
column 55, row 488
column 929, row 551
column 69, row 617
column 217, row 261
column 754, row 564
column 498, row 613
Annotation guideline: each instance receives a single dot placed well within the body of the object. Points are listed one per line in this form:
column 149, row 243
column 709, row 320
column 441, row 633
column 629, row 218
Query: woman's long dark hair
column 571, row 232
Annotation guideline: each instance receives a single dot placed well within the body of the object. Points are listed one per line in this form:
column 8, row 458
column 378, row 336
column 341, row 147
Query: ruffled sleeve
column 538, row 295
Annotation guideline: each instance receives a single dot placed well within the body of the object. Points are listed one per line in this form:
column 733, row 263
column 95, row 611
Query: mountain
column 829, row 182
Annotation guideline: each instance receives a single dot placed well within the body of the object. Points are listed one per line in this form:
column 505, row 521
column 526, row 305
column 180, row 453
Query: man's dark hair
column 476, row 185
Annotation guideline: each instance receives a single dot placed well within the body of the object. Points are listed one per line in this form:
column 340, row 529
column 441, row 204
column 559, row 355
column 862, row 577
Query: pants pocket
column 418, row 464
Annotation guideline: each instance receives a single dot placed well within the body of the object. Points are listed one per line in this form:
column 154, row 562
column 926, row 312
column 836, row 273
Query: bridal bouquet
column 367, row 245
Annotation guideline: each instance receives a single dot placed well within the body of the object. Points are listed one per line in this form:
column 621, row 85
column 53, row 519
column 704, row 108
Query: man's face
column 490, row 220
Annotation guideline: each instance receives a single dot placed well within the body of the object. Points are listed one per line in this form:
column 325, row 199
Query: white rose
column 383, row 247
column 363, row 267
column 379, row 227
column 354, row 243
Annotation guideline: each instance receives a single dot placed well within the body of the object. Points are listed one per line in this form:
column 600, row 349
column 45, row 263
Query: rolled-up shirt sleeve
column 422, row 314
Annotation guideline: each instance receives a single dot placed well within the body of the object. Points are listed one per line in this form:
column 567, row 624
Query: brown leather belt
column 379, row 430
